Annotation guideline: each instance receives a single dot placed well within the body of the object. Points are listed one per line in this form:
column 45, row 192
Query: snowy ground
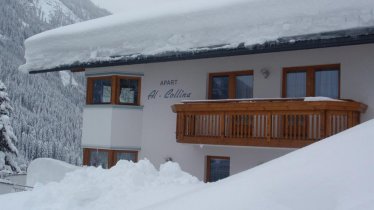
column 335, row 173
column 125, row 186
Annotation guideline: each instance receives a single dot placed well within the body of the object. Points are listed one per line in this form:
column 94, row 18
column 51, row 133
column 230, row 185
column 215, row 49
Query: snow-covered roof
column 162, row 31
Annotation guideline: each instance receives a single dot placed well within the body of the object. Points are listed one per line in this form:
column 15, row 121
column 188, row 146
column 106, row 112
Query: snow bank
column 336, row 173
column 46, row 170
column 333, row 174
column 191, row 26
column 127, row 185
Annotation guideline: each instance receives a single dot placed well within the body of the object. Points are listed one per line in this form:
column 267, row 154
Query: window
column 101, row 90
column 98, row 158
column 327, row 83
column 312, row 81
column 220, row 87
column 244, row 86
column 217, row 168
column 126, row 155
column 296, row 84
column 128, row 90
column 107, row 158
column 226, row 85
column 113, row 90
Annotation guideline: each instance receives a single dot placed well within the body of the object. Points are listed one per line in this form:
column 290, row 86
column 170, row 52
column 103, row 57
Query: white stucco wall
column 126, row 128
column 158, row 121
column 112, row 127
column 97, row 122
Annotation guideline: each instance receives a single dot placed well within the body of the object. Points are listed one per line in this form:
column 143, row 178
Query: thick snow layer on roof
column 191, row 26
column 335, row 173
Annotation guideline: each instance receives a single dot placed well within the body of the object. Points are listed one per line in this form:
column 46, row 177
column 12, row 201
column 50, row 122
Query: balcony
column 288, row 123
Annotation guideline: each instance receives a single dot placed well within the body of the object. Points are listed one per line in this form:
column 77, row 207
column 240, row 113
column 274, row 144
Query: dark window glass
column 102, row 91
column 296, row 84
column 244, row 86
column 99, row 158
column 130, row 156
column 128, row 91
column 219, row 169
column 327, row 83
column 220, row 87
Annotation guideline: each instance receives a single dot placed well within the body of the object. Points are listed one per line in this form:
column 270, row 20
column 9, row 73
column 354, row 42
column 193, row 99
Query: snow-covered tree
column 47, row 111
column 8, row 150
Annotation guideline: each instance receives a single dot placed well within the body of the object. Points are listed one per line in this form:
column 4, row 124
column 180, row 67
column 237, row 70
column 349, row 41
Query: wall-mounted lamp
column 265, row 72
column 167, row 159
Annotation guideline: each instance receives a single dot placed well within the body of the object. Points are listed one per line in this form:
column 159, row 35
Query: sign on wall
column 168, row 90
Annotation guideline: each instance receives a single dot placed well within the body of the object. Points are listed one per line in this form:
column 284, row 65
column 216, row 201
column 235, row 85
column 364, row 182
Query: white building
column 149, row 80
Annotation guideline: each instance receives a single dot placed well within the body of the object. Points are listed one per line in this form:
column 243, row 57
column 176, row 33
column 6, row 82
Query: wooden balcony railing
column 266, row 123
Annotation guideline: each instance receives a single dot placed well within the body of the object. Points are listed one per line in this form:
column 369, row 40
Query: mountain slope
column 63, row 12
column 47, row 116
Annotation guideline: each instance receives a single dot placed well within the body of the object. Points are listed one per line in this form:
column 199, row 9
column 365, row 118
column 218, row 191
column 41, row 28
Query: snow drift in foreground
column 162, row 28
column 45, row 170
column 333, row 174
column 127, row 185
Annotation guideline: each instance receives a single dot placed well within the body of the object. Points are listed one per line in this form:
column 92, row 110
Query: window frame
column 207, row 164
column 118, row 92
column 115, row 152
column 87, row 155
column 115, row 90
column 112, row 155
column 310, row 77
column 232, row 81
column 90, row 91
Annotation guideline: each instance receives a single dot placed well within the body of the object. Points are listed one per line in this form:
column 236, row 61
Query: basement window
column 99, row 158
column 107, row 158
column 126, row 155
column 217, row 168
column 113, row 90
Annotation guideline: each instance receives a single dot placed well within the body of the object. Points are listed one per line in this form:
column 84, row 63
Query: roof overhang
column 355, row 36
